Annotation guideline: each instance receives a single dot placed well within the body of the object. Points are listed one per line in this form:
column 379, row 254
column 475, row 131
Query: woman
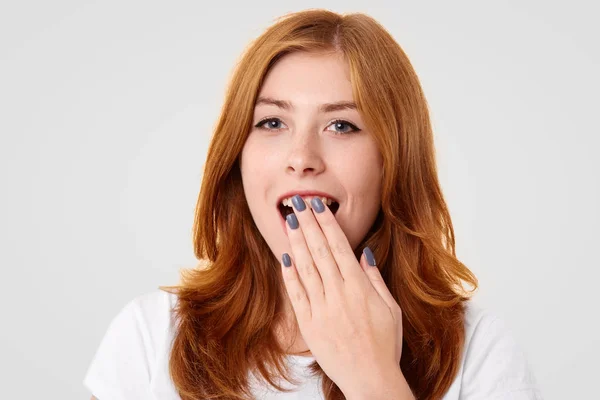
column 330, row 268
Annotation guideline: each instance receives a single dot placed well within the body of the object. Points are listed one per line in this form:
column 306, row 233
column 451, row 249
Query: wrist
column 392, row 385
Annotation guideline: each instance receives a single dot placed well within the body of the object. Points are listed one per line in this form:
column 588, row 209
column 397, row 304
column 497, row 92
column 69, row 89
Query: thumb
column 364, row 263
column 368, row 264
column 370, row 267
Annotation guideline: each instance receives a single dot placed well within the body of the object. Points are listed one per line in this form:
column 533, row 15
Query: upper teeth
column 288, row 201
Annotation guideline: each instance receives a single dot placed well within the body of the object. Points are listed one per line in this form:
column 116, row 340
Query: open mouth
column 286, row 210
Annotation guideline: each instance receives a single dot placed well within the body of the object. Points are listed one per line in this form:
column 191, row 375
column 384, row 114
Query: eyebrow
column 324, row 108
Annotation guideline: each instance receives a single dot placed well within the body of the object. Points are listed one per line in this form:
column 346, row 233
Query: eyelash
column 337, row 121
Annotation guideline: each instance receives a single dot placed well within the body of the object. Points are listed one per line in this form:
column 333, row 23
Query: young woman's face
column 296, row 146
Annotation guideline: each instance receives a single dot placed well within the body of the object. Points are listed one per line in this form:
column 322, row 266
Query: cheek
column 249, row 162
column 371, row 171
column 362, row 177
column 258, row 156
column 256, row 171
column 248, row 170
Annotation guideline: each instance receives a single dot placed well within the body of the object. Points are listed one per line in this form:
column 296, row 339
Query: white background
column 106, row 111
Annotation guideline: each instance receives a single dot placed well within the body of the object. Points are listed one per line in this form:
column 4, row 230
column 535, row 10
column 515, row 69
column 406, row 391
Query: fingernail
column 369, row 256
column 292, row 220
column 298, row 203
column 317, row 204
column 286, row 260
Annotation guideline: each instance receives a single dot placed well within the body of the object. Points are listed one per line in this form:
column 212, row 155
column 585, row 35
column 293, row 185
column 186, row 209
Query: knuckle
column 375, row 277
column 338, row 248
column 298, row 297
column 320, row 251
column 306, row 268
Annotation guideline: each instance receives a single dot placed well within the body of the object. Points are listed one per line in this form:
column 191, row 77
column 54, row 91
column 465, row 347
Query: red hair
column 228, row 310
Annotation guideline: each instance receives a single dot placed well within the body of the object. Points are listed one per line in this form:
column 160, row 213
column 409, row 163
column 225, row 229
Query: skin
column 344, row 311
column 304, row 149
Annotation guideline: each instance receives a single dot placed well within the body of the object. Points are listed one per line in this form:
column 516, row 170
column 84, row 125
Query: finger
column 340, row 248
column 304, row 263
column 295, row 290
column 317, row 244
column 368, row 263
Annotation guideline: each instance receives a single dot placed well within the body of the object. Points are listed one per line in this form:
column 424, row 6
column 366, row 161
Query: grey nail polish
column 286, row 260
column 317, row 204
column 369, row 256
column 298, row 203
column 292, row 221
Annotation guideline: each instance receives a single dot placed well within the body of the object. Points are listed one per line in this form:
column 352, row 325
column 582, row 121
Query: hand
column 346, row 314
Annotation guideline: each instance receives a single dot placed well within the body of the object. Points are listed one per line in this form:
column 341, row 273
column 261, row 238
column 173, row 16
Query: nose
column 305, row 156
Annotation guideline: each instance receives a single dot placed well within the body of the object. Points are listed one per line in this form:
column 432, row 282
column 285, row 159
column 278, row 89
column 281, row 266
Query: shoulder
column 485, row 331
column 154, row 310
column 132, row 347
column 153, row 302
column 494, row 364
column 477, row 319
column 147, row 317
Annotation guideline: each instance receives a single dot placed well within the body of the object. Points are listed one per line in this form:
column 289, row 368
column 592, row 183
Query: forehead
column 309, row 78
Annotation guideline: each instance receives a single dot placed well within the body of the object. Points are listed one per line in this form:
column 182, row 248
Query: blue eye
column 339, row 123
column 270, row 121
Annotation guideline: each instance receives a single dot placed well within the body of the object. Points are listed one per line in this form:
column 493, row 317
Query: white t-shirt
column 132, row 359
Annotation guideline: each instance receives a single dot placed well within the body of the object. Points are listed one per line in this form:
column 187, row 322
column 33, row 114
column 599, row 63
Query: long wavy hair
column 227, row 307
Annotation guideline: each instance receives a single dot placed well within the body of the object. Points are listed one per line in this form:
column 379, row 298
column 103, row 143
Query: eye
column 272, row 124
column 339, row 124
